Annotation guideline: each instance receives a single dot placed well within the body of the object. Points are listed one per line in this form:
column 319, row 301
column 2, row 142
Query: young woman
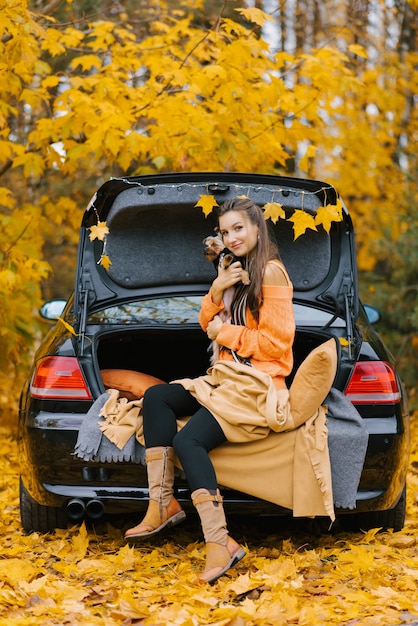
column 260, row 335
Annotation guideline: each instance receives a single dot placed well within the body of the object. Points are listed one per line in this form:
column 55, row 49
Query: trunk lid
column 156, row 232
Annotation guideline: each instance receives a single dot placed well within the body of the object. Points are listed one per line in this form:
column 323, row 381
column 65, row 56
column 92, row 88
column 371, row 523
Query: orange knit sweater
column 267, row 343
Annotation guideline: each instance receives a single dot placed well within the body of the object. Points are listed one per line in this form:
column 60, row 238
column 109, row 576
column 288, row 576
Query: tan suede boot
column 222, row 552
column 163, row 508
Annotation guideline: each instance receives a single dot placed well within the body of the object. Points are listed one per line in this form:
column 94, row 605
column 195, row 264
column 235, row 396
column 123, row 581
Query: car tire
column 37, row 517
column 392, row 518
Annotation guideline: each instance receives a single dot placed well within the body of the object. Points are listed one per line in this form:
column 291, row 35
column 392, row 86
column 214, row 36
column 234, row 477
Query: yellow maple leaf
column 370, row 535
column 273, row 211
column 360, row 51
column 51, row 43
column 301, row 222
column 255, row 15
column 12, row 571
column 328, row 214
column 243, row 584
column 99, row 231
column 72, row 37
column 67, row 326
column 71, row 329
column 7, row 199
column 132, row 608
column 50, row 81
column 105, row 261
column 33, row 164
column 80, row 542
column 207, row 203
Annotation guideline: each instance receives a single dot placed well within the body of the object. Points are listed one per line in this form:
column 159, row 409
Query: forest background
column 91, row 89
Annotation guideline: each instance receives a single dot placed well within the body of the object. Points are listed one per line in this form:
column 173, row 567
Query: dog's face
column 213, row 246
column 214, row 250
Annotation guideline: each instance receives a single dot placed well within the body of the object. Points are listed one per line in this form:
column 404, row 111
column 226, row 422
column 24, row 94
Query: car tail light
column 373, row 382
column 59, row 377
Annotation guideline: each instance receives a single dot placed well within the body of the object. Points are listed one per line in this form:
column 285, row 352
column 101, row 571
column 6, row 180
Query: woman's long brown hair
column 265, row 250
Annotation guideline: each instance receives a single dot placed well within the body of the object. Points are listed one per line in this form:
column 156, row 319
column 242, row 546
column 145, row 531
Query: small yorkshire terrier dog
column 215, row 251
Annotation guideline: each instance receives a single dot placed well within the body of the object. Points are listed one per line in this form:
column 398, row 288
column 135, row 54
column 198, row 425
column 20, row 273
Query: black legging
column 162, row 404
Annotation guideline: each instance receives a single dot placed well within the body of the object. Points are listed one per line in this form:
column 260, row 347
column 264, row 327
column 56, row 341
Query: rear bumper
column 53, row 475
column 125, row 500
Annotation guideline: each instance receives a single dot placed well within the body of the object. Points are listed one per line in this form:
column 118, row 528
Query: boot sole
column 233, row 561
column 172, row 521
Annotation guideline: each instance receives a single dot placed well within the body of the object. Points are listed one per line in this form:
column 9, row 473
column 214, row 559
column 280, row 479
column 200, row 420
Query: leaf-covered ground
column 292, row 575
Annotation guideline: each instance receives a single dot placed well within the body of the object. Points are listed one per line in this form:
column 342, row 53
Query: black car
column 138, row 286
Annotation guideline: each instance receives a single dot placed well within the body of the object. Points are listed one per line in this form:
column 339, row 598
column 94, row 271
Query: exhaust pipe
column 94, row 509
column 75, row 509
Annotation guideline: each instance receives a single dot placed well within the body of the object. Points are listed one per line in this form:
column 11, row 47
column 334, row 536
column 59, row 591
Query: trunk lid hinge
column 347, row 293
column 85, row 294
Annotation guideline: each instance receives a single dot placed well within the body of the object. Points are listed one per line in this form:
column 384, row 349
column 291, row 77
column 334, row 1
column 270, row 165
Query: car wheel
column 37, row 517
column 392, row 518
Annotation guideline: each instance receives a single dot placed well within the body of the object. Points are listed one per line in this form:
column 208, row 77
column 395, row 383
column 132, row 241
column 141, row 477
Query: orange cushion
column 131, row 385
column 313, row 381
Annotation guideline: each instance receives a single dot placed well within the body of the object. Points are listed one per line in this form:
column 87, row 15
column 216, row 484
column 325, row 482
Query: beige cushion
column 131, row 385
column 312, row 381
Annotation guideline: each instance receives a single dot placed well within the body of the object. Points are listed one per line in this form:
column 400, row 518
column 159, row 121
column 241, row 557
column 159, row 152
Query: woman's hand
column 227, row 277
column 214, row 327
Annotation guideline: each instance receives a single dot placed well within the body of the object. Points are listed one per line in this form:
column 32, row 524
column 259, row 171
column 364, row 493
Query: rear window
column 185, row 310
column 172, row 310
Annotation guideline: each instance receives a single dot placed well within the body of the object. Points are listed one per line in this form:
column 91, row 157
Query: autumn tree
column 88, row 92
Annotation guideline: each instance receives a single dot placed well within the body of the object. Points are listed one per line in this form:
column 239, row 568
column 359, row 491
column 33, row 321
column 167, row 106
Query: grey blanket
column 92, row 445
column 347, row 442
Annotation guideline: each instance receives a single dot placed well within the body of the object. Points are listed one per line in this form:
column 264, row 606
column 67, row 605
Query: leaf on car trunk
column 207, row 203
column 99, row 231
column 301, row 222
column 105, row 261
column 273, row 211
column 328, row 214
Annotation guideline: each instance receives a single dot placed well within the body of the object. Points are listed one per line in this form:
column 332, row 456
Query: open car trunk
column 155, row 245
column 169, row 354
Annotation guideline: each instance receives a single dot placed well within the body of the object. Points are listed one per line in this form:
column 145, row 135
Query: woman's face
column 239, row 234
